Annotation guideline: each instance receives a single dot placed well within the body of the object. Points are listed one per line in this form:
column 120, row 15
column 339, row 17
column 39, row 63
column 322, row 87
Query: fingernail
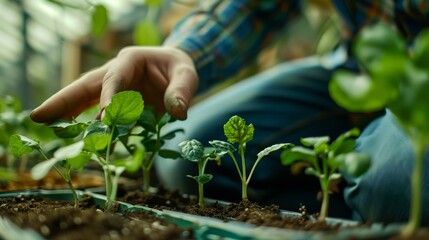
column 179, row 109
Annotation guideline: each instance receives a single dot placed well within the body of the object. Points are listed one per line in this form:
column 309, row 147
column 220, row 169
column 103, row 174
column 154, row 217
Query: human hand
column 165, row 76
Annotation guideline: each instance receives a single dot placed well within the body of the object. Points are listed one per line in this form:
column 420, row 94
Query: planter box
column 207, row 227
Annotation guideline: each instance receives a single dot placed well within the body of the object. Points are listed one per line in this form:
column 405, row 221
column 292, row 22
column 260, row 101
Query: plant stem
column 243, row 174
column 200, row 185
column 416, row 188
column 107, row 173
column 324, row 184
column 146, row 177
column 325, row 199
column 70, row 184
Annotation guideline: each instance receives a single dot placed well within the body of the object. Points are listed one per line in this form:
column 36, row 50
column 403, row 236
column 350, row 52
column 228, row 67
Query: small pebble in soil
column 42, row 218
column 45, row 230
column 125, row 231
column 77, row 220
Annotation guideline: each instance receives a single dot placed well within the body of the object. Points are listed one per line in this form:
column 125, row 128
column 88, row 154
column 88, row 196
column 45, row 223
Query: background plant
column 148, row 131
column 238, row 132
column 394, row 75
column 194, row 151
column 15, row 120
column 324, row 159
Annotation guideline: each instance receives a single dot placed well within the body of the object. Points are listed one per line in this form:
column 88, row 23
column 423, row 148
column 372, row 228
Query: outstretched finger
column 71, row 100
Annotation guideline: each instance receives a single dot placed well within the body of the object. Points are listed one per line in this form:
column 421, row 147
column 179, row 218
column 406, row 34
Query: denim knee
column 383, row 193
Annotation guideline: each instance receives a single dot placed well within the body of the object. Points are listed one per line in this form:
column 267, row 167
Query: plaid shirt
column 222, row 36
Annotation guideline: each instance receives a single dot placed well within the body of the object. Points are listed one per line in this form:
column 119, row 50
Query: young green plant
column 93, row 140
column 149, row 131
column 237, row 131
column 194, row 151
column 20, row 145
column 324, row 159
column 394, row 77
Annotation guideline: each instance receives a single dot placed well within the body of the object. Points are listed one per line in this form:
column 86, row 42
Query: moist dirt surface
column 60, row 220
column 52, row 180
column 248, row 212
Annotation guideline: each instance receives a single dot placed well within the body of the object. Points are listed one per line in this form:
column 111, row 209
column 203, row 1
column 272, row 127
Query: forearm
column 223, row 36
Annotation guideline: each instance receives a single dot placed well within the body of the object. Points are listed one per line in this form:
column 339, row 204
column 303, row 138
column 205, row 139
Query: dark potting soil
column 60, row 220
column 246, row 211
column 52, row 180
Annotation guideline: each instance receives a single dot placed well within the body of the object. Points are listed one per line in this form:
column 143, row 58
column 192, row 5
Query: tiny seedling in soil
column 324, row 159
column 393, row 76
column 237, row 131
column 93, row 140
column 194, row 151
column 20, row 145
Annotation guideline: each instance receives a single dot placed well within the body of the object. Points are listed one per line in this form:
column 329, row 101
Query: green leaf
column 67, row 129
column 20, row 145
column 314, row 141
column 237, row 131
column 411, row 108
column 203, row 179
column 146, row 33
column 222, row 147
column 354, row 163
column 378, row 40
column 79, row 161
column 165, row 118
column 151, row 145
column 273, row 148
column 311, row 171
column 290, row 156
column 421, row 50
column 69, row 151
column 166, row 153
column 345, row 142
column 357, row 93
column 96, row 127
column 147, row 120
column 172, row 134
column 100, row 20
column 124, row 109
column 96, row 142
column 192, row 150
column 134, row 162
column 40, row 170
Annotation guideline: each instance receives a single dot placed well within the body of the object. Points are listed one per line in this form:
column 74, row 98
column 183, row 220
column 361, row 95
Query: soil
column 245, row 211
column 60, row 220
column 52, row 180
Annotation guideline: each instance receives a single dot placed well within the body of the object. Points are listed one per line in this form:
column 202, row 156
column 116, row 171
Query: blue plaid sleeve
column 223, row 36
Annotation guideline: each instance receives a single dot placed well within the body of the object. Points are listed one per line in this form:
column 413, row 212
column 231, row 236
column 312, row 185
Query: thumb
column 181, row 89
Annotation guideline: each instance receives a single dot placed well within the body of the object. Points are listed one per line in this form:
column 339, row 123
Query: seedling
column 20, row 145
column 396, row 78
column 238, row 132
column 194, row 151
column 324, row 159
column 15, row 120
column 93, row 141
column 149, row 130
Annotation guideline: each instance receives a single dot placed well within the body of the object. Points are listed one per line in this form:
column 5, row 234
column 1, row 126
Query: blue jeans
column 285, row 103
